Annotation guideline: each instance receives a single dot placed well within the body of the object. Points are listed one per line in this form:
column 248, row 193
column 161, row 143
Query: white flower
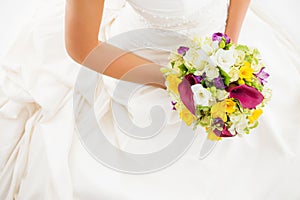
column 267, row 92
column 239, row 57
column 221, row 95
column 198, row 73
column 257, row 67
column 234, row 74
column 174, row 56
column 239, row 123
column 201, row 60
column 215, row 45
column 197, row 59
column 195, row 41
column 190, row 57
column 206, row 46
column 224, row 59
column 211, row 72
column 201, row 95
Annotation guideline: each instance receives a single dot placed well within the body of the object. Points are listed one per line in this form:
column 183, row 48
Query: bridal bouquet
column 217, row 85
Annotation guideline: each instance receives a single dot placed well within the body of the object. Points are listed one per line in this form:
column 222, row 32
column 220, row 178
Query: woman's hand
column 236, row 14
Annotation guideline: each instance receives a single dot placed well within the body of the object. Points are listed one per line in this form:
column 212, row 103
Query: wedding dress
column 42, row 154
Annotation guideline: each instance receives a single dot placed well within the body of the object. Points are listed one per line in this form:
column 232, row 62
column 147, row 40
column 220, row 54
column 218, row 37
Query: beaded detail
column 179, row 20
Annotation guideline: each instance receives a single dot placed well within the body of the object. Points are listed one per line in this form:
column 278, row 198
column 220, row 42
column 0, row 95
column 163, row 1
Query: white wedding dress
column 42, row 156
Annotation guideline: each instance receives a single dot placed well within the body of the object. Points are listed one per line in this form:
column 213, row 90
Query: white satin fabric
column 41, row 156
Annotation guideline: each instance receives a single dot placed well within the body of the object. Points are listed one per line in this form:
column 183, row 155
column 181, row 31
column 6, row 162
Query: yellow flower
column 212, row 136
column 230, row 106
column 241, row 82
column 173, row 82
column 218, row 110
column 255, row 115
column 187, row 116
column 246, row 72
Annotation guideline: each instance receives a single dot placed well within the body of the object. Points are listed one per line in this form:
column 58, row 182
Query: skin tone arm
column 83, row 19
column 82, row 22
column 236, row 14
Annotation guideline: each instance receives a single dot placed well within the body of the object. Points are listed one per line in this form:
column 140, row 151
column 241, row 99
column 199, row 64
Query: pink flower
column 194, row 79
column 224, row 133
column 186, row 95
column 248, row 97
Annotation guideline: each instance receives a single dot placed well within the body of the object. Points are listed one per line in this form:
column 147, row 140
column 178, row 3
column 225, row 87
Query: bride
column 83, row 21
column 49, row 144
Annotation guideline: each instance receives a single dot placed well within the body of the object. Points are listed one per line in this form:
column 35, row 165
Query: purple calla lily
column 194, row 79
column 186, row 95
column 248, row 97
column 262, row 76
column 182, row 50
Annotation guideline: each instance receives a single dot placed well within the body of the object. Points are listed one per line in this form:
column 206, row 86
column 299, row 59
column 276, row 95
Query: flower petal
column 262, row 76
column 248, row 97
column 192, row 79
column 182, row 50
column 219, row 83
column 218, row 37
column 224, row 133
column 186, row 95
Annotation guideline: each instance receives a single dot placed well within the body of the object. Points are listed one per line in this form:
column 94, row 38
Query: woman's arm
column 83, row 19
column 236, row 14
column 82, row 22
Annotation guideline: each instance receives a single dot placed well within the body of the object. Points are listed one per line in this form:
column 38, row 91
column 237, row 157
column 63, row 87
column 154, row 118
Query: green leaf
column 258, row 86
column 204, row 108
column 248, row 58
column 227, row 47
column 225, row 76
column 254, row 125
column 192, row 70
column 255, row 60
column 205, row 121
column 256, row 52
column 242, row 47
column 172, row 64
column 248, row 83
column 247, row 131
column 222, row 44
column 183, row 68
